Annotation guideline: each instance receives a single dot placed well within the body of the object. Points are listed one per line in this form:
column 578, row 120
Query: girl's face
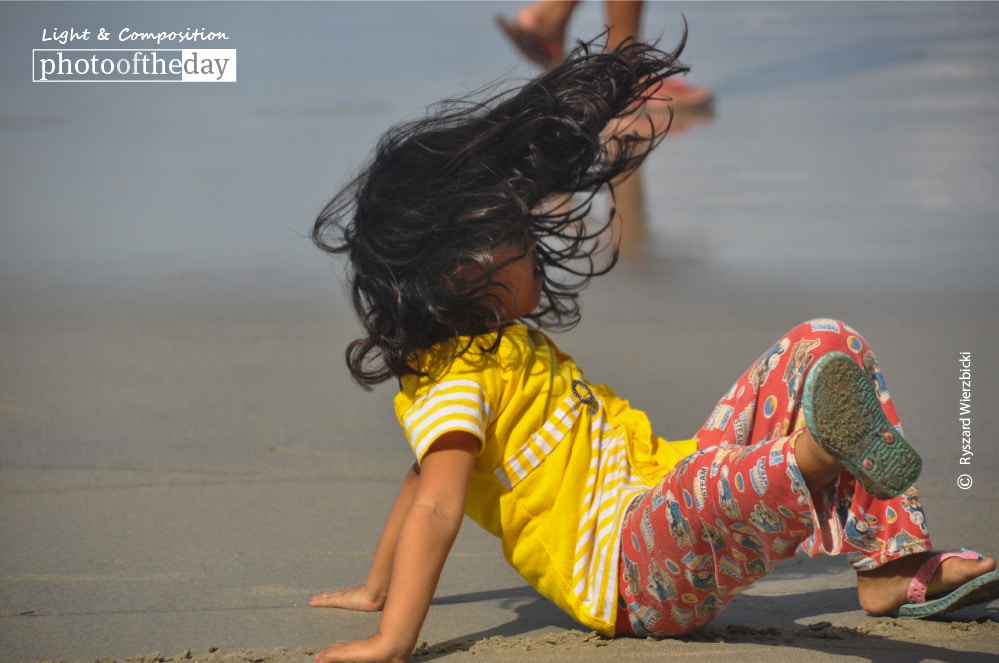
column 518, row 269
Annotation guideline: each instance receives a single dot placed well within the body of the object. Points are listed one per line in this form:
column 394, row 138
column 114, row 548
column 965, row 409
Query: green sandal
column 982, row 589
column 844, row 416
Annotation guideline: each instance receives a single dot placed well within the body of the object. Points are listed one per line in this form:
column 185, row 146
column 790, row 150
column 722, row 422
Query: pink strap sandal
column 978, row 590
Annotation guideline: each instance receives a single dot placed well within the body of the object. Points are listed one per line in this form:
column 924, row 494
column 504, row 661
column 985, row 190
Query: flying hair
column 440, row 193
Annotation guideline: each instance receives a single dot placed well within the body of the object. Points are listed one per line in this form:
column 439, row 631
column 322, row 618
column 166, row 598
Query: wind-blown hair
column 440, row 193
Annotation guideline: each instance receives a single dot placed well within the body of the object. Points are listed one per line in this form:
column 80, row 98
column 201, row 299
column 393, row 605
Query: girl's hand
column 369, row 650
column 434, row 508
column 351, row 598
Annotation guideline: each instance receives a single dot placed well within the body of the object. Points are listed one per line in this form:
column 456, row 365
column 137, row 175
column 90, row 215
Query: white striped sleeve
column 454, row 405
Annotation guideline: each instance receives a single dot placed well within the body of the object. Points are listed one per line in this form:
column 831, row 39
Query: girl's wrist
column 375, row 593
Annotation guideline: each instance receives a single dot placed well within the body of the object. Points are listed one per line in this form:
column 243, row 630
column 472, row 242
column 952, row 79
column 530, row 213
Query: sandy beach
column 183, row 457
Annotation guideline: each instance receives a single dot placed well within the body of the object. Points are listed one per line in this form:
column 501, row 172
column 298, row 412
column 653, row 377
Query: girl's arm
column 370, row 596
column 427, row 532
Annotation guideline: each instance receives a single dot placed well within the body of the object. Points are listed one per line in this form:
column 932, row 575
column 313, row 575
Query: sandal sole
column 844, row 416
column 982, row 589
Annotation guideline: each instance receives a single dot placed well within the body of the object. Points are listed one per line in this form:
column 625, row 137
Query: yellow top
column 560, row 460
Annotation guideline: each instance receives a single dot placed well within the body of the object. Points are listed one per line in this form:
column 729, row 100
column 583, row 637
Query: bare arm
column 370, row 596
column 425, row 536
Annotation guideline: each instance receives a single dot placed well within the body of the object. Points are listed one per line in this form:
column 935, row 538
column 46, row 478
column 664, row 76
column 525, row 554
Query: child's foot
column 885, row 589
column 844, row 416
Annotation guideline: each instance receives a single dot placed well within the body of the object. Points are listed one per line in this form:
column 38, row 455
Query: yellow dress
column 559, row 464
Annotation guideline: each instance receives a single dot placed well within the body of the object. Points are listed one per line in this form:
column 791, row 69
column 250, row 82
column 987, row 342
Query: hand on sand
column 369, row 650
column 351, row 598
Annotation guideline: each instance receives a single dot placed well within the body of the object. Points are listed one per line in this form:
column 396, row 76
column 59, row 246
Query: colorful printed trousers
column 724, row 516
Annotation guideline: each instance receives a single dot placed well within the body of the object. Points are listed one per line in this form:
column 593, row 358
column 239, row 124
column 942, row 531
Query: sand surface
column 183, row 458
column 881, row 640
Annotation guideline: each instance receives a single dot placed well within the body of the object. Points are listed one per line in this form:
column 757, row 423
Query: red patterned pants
column 724, row 516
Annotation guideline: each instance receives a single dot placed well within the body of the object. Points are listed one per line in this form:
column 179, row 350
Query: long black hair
column 442, row 192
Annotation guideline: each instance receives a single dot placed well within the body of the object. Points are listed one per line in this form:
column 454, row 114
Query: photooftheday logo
column 122, row 65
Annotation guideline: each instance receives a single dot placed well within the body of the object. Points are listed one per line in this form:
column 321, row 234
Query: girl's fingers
column 324, row 600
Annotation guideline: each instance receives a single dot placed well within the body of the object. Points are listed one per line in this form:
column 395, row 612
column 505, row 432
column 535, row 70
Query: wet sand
column 183, row 458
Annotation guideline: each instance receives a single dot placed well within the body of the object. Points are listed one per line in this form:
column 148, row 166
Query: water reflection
column 630, row 223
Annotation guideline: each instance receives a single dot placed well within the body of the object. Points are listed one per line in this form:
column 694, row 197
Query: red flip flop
column 546, row 53
column 681, row 95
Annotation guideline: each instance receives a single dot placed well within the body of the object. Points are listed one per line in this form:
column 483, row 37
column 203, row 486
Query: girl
column 465, row 235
